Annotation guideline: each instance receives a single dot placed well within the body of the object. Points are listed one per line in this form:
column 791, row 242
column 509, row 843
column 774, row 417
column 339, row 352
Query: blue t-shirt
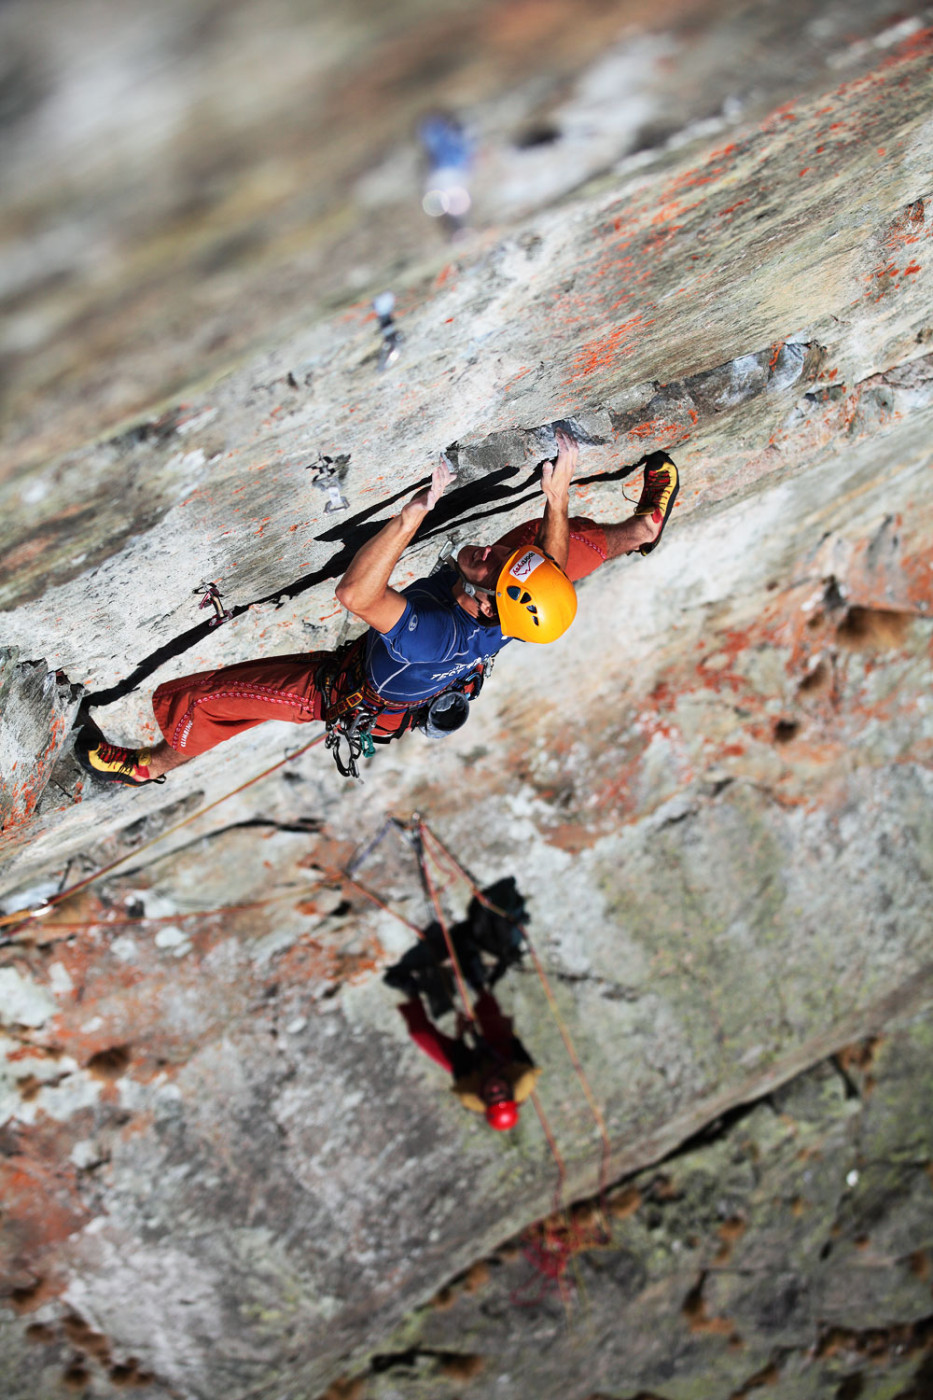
column 434, row 643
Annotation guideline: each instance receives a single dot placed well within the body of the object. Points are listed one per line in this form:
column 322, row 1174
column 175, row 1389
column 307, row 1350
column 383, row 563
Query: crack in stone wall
column 710, row 1195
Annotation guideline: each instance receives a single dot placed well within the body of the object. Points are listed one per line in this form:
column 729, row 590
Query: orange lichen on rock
column 41, row 1209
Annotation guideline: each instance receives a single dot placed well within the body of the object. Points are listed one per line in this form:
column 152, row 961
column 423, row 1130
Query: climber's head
column 501, row 1108
column 536, row 600
column 529, row 595
column 479, row 566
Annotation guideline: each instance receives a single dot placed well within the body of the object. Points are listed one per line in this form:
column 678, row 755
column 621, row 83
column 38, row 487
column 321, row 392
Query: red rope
column 439, row 913
column 349, row 880
column 555, row 1152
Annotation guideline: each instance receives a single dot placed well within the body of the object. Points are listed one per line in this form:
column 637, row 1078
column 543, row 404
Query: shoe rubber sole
column 85, row 743
column 647, row 548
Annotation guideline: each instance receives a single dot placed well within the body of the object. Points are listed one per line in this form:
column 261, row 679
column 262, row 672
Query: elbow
column 351, row 597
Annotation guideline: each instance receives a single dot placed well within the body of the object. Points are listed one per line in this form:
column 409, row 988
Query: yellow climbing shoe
column 110, row 763
column 658, row 496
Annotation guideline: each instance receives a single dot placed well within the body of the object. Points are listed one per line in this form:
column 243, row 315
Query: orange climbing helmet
column 502, row 1115
column 535, row 598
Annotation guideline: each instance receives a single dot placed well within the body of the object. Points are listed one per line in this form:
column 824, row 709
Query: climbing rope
column 555, row 1151
column 341, row 877
column 439, row 914
column 71, row 926
column 22, row 917
column 552, row 1246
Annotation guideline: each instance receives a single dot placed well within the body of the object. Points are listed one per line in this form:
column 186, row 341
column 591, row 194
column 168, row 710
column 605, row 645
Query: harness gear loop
column 355, row 713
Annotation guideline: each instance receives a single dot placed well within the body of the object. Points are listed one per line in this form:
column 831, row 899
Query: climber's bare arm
column 554, row 535
column 364, row 589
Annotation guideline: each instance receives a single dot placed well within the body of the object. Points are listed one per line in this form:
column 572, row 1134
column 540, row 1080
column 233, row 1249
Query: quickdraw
column 357, row 717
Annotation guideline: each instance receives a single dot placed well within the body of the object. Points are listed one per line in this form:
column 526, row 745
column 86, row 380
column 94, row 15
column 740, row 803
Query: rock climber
column 492, row 1071
column 426, row 646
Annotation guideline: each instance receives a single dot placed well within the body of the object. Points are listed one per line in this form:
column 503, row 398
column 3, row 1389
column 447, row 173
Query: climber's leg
column 198, row 712
column 643, row 529
column 592, row 543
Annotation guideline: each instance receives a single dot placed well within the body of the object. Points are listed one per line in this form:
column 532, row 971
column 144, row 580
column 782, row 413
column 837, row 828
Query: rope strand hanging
column 21, row 917
column 439, row 915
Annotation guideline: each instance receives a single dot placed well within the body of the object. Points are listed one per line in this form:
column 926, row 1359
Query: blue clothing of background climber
column 432, row 638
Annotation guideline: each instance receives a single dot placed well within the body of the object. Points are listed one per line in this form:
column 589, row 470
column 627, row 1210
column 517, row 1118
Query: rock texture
column 785, row 1250
column 226, row 1170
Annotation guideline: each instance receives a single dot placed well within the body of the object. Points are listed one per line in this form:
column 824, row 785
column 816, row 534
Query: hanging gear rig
column 357, row 718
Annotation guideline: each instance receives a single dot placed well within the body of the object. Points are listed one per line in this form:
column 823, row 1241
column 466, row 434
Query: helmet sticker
column 526, row 564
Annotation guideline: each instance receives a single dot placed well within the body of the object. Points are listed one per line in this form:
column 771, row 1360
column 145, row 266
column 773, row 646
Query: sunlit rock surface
column 226, row 1171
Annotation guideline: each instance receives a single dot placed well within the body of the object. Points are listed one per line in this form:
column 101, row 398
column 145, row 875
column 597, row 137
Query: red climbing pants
column 195, row 713
column 495, row 1028
column 587, row 544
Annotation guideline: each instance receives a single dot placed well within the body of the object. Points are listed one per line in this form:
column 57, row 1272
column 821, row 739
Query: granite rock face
column 226, row 1170
column 787, row 1249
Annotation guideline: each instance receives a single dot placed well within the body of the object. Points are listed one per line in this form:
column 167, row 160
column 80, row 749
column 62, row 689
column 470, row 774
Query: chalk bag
column 446, row 713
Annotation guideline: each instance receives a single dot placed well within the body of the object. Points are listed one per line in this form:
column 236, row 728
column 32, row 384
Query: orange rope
column 454, row 864
column 349, row 880
column 25, row 915
column 77, row 926
column 555, row 1151
column 451, row 950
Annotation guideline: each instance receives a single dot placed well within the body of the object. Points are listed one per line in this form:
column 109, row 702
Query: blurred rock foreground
column 703, row 228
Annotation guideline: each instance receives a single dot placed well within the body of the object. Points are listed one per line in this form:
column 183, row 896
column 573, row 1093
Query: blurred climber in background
column 483, row 934
column 449, row 149
column 428, row 647
column 492, row 1071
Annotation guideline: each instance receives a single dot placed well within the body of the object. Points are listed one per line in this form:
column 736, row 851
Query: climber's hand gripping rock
column 364, row 589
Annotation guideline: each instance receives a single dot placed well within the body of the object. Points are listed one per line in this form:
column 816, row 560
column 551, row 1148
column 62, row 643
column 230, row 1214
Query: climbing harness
column 358, row 717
